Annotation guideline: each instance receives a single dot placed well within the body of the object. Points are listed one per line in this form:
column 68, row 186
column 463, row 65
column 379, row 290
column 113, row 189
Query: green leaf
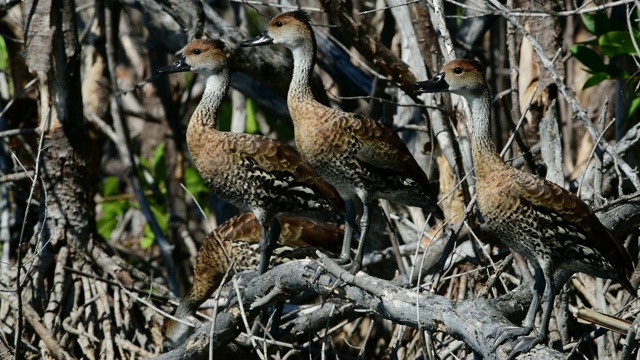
column 595, row 80
column 597, row 23
column 635, row 105
column 615, row 72
column 161, row 217
column 144, row 163
column 194, row 182
column 112, row 212
column 588, row 57
column 106, row 225
column 110, row 186
column 115, row 208
column 4, row 55
column 148, row 239
column 256, row 22
column 252, row 123
column 158, row 155
column 159, row 165
column 615, row 43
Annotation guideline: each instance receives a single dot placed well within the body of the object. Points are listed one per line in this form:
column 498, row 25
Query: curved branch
column 472, row 321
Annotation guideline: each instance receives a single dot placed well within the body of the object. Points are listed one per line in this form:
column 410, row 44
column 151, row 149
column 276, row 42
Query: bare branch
column 568, row 94
column 467, row 320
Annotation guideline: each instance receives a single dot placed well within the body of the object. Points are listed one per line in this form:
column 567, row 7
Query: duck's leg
column 355, row 266
column 510, row 331
column 525, row 344
column 538, row 290
column 270, row 236
column 349, row 225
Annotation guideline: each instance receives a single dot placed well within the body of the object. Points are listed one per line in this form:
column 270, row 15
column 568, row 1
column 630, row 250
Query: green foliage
column 589, row 58
column 197, row 188
column 194, row 183
column 612, row 39
column 597, row 23
column 116, row 202
column 256, row 22
column 252, row 122
column 162, row 217
column 618, row 43
column 4, row 55
column 112, row 210
column 635, row 104
column 158, row 171
column 110, row 186
column 283, row 130
column 4, row 62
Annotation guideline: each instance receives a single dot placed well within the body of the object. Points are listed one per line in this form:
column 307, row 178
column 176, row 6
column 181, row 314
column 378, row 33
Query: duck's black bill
column 262, row 39
column 178, row 66
column 433, row 85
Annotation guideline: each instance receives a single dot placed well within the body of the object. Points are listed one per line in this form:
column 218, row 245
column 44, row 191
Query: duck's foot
column 321, row 269
column 521, row 345
column 341, row 260
column 353, row 267
column 524, row 344
column 503, row 333
column 348, row 264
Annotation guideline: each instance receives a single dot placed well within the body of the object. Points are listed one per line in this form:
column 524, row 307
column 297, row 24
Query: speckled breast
column 507, row 220
column 339, row 169
column 545, row 237
column 233, row 181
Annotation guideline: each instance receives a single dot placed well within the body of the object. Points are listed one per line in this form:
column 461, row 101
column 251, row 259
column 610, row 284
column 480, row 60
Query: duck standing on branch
column 547, row 224
column 234, row 242
column 261, row 174
column 361, row 157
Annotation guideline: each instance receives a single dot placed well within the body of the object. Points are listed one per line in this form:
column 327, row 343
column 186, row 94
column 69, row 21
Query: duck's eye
column 457, row 70
column 279, row 23
column 197, row 51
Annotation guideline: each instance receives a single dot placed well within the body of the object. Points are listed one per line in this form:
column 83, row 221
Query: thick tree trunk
column 66, row 215
column 531, row 70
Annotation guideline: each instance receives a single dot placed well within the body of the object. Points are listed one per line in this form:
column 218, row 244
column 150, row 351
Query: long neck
column 303, row 62
column 206, row 113
column 483, row 148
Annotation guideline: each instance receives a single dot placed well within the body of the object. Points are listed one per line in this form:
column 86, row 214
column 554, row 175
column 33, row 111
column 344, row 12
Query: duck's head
column 461, row 76
column 203, row 56
column 291, row 29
